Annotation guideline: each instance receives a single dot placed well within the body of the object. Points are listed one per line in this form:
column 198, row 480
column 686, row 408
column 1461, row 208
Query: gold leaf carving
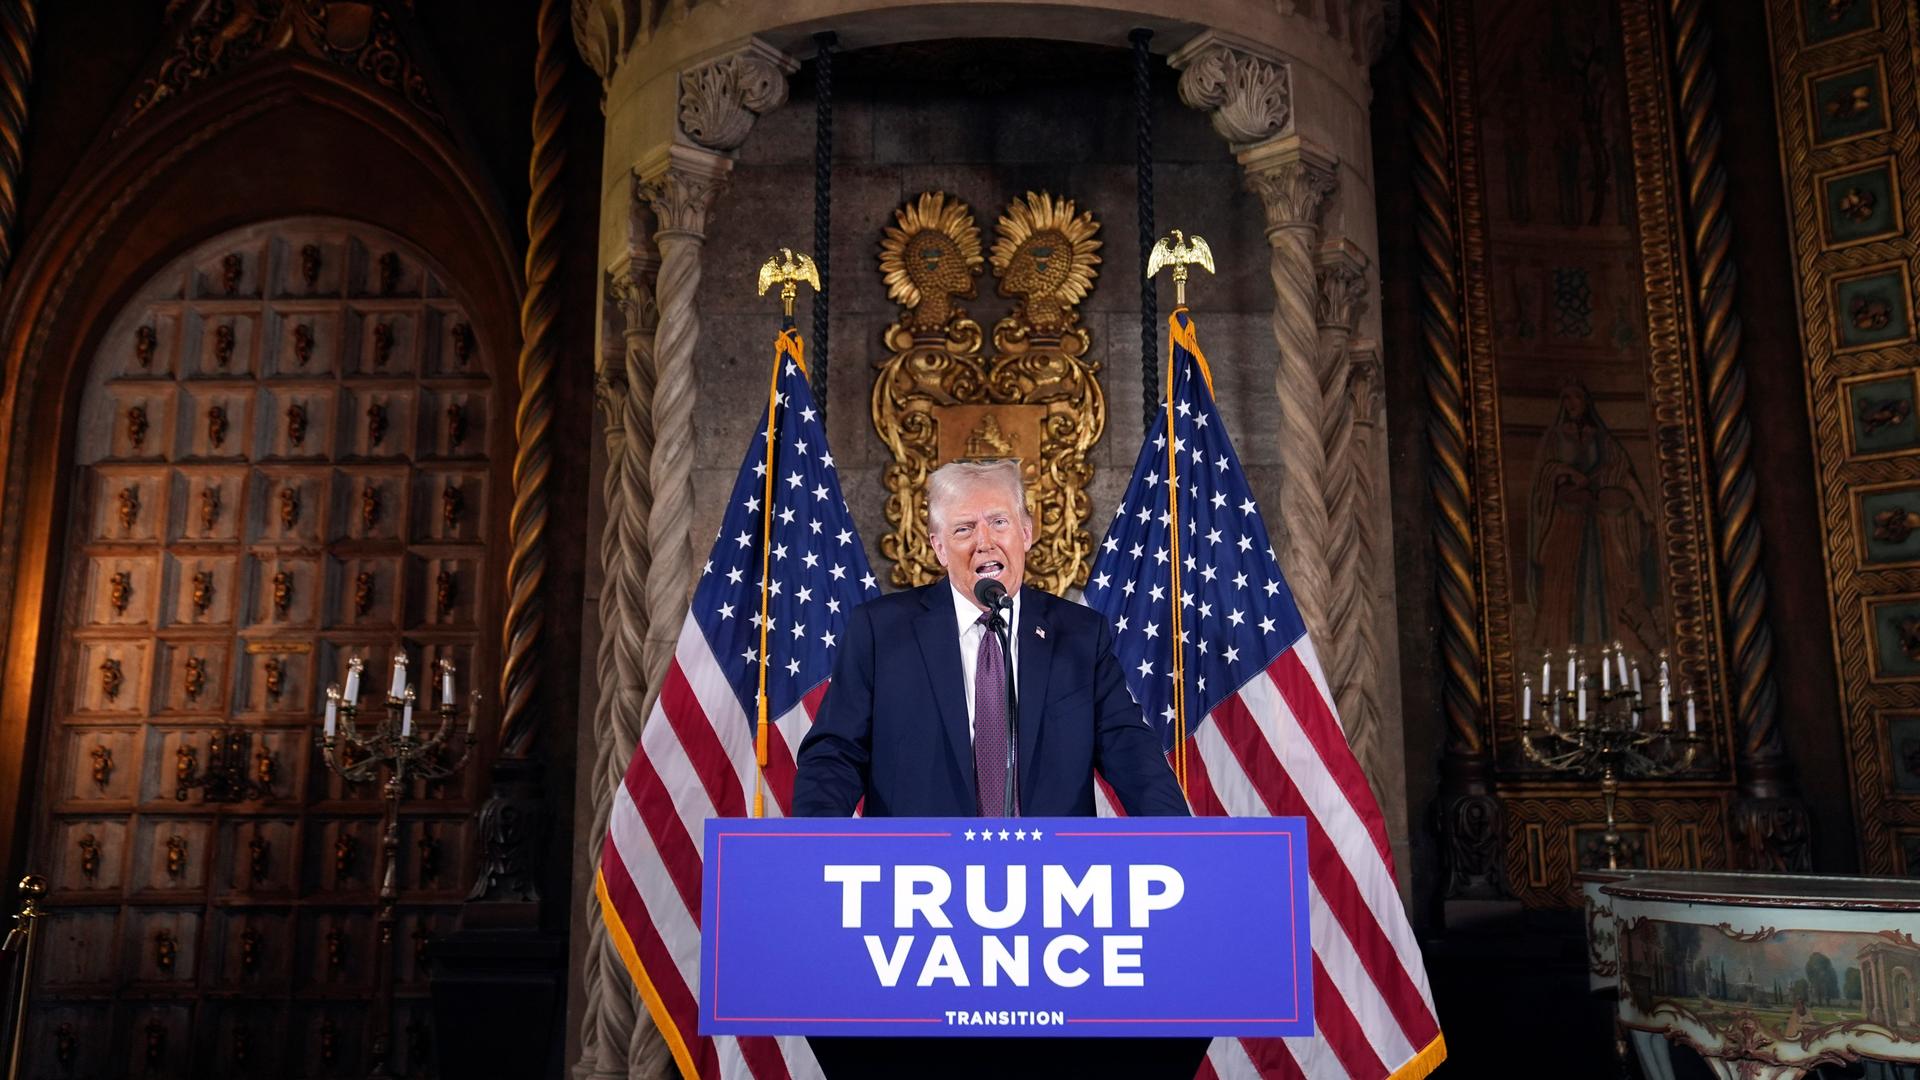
column 938, row 398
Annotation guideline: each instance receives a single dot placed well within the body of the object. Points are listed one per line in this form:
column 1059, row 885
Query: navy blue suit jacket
column 894, row 726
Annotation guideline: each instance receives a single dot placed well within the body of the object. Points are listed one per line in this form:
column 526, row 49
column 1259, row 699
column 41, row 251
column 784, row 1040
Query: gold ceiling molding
column 939, row 398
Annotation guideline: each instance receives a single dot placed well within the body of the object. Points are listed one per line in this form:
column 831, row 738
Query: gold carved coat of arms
column 940, row 397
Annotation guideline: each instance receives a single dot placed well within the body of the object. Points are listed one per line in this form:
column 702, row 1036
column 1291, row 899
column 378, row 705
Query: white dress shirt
column 968, row 618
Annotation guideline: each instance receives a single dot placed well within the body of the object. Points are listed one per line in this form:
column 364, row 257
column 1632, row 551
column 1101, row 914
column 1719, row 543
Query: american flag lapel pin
column 1040, row 632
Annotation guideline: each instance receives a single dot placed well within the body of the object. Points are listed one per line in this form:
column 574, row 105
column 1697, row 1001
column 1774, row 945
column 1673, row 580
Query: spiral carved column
column 1770, row 826
column 1293, row 182
column 608, row 1032
column 681, row 189
column 1470, row 819
column 18, row 22
column 1351, row 652
column 539, row 336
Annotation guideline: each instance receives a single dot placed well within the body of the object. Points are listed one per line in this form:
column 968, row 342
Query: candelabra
column 393, row 745
column 1598, row 727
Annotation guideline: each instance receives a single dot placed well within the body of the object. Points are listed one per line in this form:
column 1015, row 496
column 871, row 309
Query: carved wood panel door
column 281, row 462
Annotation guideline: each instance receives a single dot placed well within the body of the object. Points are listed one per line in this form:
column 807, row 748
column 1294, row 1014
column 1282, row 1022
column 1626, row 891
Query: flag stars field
column 1254, row 729
column 696, row 757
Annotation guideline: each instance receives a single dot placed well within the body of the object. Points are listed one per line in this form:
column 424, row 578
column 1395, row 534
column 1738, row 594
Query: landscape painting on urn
column 1791, row 984
column 1569, row 329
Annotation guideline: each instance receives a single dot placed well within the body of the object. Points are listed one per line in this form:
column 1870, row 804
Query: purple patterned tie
column 990, row 722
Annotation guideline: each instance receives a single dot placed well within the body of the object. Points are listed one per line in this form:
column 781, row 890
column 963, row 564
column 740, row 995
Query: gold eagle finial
column 1180, row 251
column 789, row 270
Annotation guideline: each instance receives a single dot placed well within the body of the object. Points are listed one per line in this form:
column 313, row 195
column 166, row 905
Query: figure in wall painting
column 1592, row 575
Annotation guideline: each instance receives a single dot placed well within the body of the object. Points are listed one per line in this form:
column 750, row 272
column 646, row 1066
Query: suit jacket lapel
column 939, row 635
column 1036, row 664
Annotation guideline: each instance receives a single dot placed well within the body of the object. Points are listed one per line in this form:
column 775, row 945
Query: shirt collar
column 966, row 615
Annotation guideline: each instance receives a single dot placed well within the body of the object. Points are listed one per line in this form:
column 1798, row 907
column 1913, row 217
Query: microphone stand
column 1002, row 630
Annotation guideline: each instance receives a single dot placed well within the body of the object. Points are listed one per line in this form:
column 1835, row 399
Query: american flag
column 1261, row 736
column 696, row 757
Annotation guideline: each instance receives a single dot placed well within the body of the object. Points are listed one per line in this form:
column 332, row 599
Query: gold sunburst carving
column 928, row 257
column 1045, row 257
column 937, row 398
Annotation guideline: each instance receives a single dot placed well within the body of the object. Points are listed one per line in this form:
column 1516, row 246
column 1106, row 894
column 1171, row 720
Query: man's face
column 984, row 532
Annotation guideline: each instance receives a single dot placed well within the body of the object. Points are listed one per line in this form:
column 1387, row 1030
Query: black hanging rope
column 1143, row 180
column 822, row 207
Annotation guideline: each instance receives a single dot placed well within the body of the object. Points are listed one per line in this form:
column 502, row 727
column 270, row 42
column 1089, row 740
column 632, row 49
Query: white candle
column 446, row 683
column 1526, row 701
column 1583, row 704
column 406, row 719
column 1606, row 672
column 1570, row 670
column 1636, row 682
column 333, row 709
column 1546, row 678
column 353, row 680
column 1690, row 712
column 1620, row 657
column 1666, row 712
column 399, row 687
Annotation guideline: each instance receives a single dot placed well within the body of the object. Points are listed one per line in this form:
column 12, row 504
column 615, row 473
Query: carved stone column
column 625, row 383
column 1249, row 98
column 1351, row 654
column 681, row 188
column 1293, row 180
column 718, row 103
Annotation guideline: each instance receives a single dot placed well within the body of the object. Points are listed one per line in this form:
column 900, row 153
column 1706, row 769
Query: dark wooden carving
column 145, row 341
column 303, row 343
column 282, row 592
column 165, row 950
column 382, row 343
column 462, row 343
column 110, row 678
column 129, row 507
column 310, row 265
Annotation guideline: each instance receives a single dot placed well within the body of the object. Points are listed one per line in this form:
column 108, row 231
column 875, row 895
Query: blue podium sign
column 986, row 926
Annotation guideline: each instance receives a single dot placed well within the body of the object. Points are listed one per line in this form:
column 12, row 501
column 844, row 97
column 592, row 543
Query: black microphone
column 991, row 594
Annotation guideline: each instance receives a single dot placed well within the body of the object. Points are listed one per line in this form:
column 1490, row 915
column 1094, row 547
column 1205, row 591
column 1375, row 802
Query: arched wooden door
column 282, row 462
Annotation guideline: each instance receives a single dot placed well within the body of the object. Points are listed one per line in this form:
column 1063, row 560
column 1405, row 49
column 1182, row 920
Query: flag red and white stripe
column 784, row 573
column 1187, row 560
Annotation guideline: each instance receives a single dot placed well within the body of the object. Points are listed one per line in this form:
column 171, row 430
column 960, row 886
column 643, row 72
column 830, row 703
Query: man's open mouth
column 989, row 569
